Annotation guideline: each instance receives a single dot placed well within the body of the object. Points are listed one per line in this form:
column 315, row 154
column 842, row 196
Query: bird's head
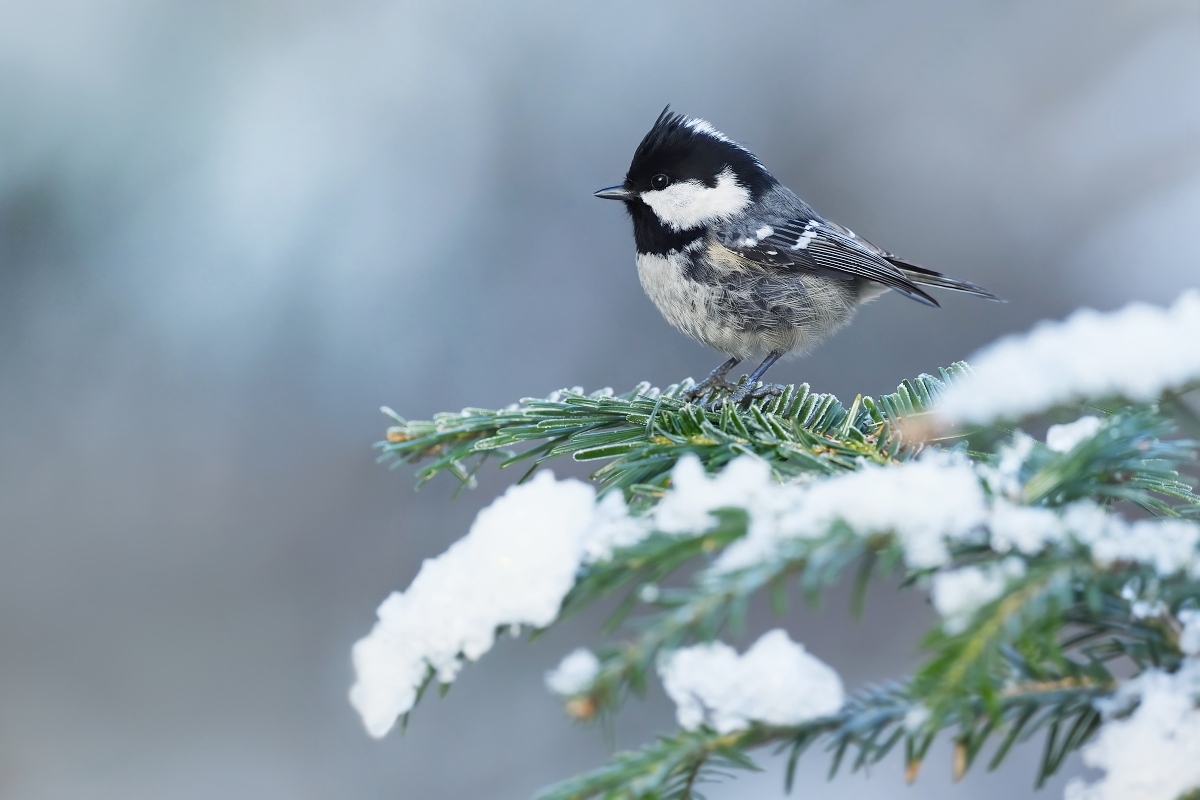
column 686, row 174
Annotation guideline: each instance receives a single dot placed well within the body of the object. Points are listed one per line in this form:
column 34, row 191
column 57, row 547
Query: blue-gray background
column 229, row 231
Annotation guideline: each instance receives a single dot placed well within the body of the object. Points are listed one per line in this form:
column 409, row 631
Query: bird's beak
column 616, row 193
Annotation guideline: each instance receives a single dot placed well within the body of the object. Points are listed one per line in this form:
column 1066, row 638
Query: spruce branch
column 645, row 431
column 717, row 601
column 870, row 726
column 1029, row 657
column 1033, row 660
column 1130, row 459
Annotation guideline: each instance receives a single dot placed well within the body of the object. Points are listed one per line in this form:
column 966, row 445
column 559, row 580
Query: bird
column 735, row 260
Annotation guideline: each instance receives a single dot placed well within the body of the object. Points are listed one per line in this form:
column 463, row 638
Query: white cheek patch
column 690, row 204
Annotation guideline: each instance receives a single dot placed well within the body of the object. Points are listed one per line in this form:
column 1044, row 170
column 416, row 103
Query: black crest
column 683, row 148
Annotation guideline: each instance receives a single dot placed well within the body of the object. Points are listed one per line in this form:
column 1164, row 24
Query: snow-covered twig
column 1136, row 353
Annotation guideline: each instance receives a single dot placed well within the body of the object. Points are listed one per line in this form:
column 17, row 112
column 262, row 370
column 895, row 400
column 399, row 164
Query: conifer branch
column 716, row 602
column 1050, row 621
column 870, row 726
column 645, row 431
column 1130, row 459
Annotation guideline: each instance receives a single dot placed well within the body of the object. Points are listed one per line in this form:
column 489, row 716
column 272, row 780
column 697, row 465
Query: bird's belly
column 742, row 311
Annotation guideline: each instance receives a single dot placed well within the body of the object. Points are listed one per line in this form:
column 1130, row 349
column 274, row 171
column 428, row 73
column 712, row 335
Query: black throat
column 650, row 235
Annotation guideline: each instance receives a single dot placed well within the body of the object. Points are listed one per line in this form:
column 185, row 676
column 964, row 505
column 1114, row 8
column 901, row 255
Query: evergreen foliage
column 1033, row 660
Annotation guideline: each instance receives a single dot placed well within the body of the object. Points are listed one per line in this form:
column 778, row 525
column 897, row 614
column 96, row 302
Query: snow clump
column 574, row 674
column 513, row 568
column 1137, row 352
column 776, row 682
column 1152, row 754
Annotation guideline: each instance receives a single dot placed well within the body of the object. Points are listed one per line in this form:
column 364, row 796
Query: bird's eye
column 660, row 181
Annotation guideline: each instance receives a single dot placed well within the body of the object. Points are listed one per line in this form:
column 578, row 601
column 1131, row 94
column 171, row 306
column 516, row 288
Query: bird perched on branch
column 735, row 260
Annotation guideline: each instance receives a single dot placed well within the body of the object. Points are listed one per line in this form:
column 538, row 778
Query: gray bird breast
column 744, row 309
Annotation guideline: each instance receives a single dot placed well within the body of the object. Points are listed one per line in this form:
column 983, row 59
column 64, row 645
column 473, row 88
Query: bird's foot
column 707, row 387
column 767, row 390
column 746, row 391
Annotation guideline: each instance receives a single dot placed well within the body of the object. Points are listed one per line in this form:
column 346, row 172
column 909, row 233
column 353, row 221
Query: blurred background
column 230, row 231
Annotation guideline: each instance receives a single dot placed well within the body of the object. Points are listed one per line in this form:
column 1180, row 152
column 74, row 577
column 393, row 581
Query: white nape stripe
column 703, row 126
column 690, row 204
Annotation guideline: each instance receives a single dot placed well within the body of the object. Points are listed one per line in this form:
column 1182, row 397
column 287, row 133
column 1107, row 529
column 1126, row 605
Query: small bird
column 735, row 260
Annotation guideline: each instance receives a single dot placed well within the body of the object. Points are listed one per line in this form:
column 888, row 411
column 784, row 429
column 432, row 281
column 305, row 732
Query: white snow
column 1154, row 753
column 1142, row 609
column 523, row 552
column 611, row 528
column 513, row 568
column 1025, row 529
column 1064, row 438
column 916, row 717
column 958, row 594
column 649, row 593
column 923, row 502
column 764, row 231
column 1189, row 637
column 745, row 482
column 574, row 674
column 1004, row 479
column 776, row 682
column 1137, row 352
column 927, row 504
column 1167, row 545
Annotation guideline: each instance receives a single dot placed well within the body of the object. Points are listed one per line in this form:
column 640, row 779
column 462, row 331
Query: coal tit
column 735, row 260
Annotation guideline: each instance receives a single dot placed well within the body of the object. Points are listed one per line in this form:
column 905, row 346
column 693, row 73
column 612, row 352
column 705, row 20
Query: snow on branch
column 925, row 503
column 1136, row 353
column 513, row 568
column 523, row 554
column 1151, row 752
column 776, row 682
column 1064, row 569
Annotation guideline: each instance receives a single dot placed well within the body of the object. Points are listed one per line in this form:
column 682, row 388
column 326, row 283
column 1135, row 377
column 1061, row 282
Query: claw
column 768, row 390
column 706, row 387
column 745, row 391
column 715, row 382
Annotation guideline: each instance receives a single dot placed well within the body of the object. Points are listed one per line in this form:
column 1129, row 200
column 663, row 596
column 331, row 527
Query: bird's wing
column 814, row 245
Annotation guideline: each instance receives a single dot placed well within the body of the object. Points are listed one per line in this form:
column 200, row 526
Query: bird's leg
column 749, row 388
column 715, row 380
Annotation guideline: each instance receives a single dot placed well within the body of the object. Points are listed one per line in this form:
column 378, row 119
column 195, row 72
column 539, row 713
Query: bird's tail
column 927, row 277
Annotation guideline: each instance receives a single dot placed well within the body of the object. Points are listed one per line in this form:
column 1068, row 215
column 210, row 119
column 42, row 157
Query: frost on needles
column 1064, row 566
